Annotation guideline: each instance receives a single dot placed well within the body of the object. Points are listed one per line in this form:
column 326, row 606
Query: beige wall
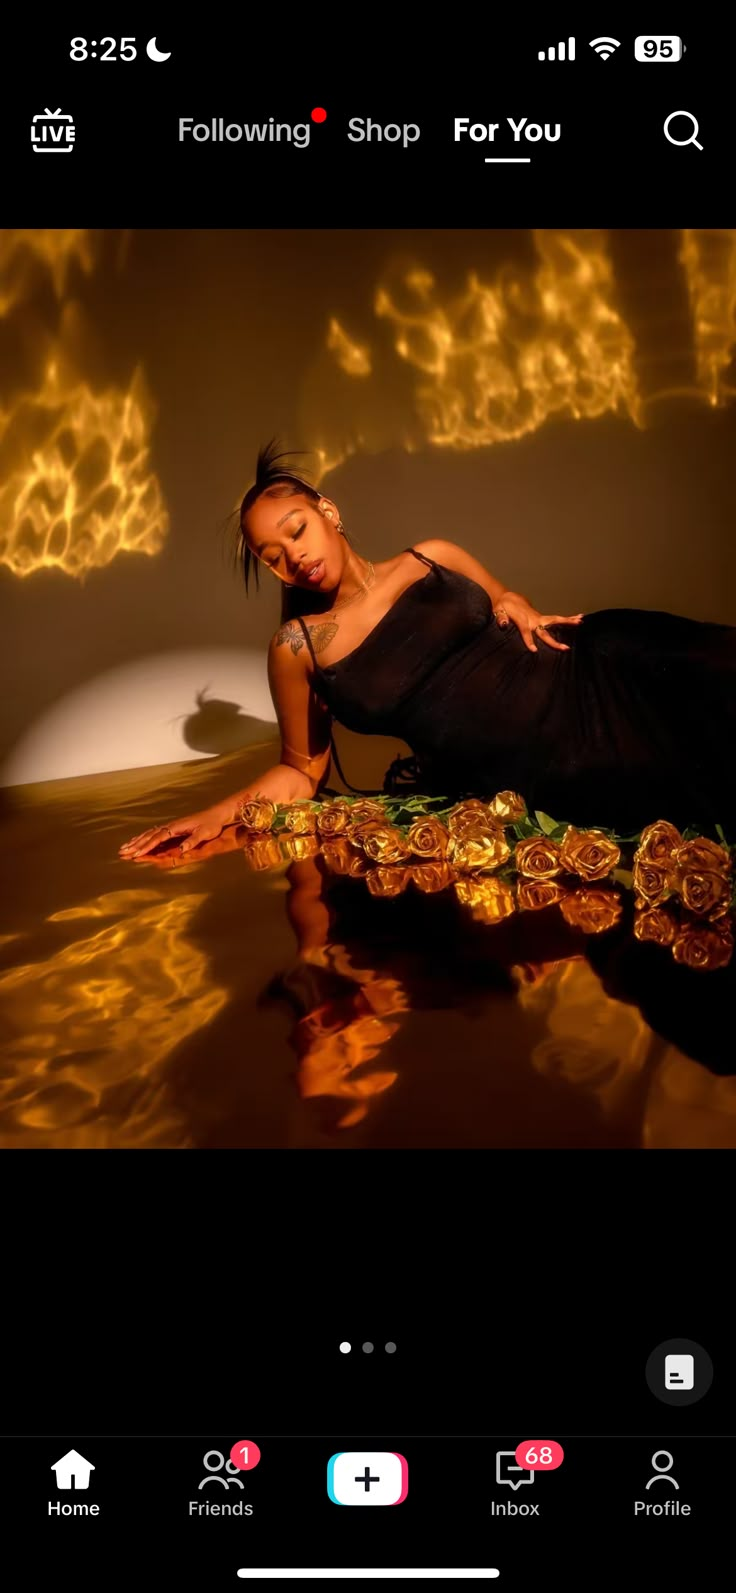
column 231, row 328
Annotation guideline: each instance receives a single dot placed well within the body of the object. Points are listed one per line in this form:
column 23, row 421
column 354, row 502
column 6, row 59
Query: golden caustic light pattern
column 24, row 250
column 352, row 357
column 493, row 362
column 708, row 257
column 90, row 1028
column 77, row 486
column 498, row 360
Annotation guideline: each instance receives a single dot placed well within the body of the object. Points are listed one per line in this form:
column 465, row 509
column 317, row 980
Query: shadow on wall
column 220, row 726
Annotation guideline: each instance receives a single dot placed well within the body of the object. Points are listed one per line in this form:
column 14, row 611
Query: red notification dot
column 539, row 1454
column 245, row 1454
column 319, row 114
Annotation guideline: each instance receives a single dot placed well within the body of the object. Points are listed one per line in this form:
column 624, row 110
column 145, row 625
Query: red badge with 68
column 539, row 1454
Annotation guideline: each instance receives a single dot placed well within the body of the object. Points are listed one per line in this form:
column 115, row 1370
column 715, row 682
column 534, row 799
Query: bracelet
column 295, row 754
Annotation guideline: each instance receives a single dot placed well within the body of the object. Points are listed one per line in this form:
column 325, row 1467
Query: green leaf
column 720, row 834
column 546, row 824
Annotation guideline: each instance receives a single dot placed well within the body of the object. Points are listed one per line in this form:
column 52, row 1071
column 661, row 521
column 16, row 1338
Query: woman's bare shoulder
column 290, row 638
column 444, row 552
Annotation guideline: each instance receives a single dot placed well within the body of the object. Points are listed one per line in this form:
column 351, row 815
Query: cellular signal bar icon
column 556, row 52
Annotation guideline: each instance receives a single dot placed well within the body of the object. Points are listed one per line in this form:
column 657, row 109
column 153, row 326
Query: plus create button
column 367, row 1477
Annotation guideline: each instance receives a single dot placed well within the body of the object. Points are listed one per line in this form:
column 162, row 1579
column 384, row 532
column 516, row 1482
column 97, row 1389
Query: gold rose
column 427, row 838
column 658, row 843
column 589, row 853
column 257, row 813
column 700, row 853
column 703, row 892
column 300, row 819
column 651, row 882
column 538, row 857
column 480, row 851
column 507, row 807
column 333, row 818
column 380, row 841
column 468, row 820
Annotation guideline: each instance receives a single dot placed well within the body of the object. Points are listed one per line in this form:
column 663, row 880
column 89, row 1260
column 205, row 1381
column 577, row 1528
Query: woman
column 614, row 719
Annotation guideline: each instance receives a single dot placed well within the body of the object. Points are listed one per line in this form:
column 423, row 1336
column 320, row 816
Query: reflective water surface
column 221, row 1004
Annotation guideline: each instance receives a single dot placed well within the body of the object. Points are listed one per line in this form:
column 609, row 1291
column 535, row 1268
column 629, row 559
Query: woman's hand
column 230, row 840
column 513, row 607
column 191, row 832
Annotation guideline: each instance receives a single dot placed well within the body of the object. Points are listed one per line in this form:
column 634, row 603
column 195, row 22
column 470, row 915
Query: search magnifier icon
column 681, row 142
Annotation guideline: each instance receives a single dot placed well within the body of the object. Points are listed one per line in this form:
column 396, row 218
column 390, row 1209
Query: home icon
column 72, row 1471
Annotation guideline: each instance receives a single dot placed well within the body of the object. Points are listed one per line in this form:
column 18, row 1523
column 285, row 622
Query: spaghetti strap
column 423, row 557
column 308, row 640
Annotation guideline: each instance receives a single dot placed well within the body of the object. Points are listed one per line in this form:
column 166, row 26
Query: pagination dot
column 345, row 1348
column 368, row 1347
column 390, row 1347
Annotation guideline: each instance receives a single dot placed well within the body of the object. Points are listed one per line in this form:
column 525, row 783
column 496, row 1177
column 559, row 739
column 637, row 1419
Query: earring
column 341, row 528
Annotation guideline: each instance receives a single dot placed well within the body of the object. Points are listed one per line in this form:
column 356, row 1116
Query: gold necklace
column 362, row 589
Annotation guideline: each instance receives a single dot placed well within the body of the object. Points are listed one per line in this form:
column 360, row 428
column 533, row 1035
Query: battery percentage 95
column 655, row 47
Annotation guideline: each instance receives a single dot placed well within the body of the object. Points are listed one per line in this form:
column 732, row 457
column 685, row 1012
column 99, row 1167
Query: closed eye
column 271, row 563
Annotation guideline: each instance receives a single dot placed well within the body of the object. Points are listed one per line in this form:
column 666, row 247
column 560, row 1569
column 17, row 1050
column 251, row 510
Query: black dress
column 636, row 722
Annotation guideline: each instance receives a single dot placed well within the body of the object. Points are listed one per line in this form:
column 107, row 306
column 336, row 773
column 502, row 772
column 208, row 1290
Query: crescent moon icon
column 154, row 53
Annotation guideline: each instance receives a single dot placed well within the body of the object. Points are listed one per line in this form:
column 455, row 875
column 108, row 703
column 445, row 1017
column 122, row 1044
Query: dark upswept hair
column 275, row 480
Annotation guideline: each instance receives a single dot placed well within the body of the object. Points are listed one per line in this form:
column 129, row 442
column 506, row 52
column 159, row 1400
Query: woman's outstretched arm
column 305, row 759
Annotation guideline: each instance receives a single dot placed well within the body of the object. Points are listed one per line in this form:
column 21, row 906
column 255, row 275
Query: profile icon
column 662, row 1471
column 214, row 1463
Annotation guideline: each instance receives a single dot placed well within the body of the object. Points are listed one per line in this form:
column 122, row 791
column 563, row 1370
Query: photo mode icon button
column 367, row 1477
column 679, row 1372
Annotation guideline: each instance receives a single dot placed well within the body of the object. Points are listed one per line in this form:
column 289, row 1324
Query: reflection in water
column 595, row 1042
column 148, row 1009
column 94, row 1022
column 594, row 1039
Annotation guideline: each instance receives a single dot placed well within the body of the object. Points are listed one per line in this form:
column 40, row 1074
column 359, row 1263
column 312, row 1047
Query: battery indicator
column 655, row 47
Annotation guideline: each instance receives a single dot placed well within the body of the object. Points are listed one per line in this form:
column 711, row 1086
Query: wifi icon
column 604, row 47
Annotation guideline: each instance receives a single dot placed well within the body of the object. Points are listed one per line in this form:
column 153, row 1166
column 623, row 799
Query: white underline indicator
column 333, row 1574
column 507, row 160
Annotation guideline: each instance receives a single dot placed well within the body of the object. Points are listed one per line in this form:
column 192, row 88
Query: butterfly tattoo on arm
column 293, row 636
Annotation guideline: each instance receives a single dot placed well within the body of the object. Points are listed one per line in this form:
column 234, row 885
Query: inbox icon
column 679, row 1371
